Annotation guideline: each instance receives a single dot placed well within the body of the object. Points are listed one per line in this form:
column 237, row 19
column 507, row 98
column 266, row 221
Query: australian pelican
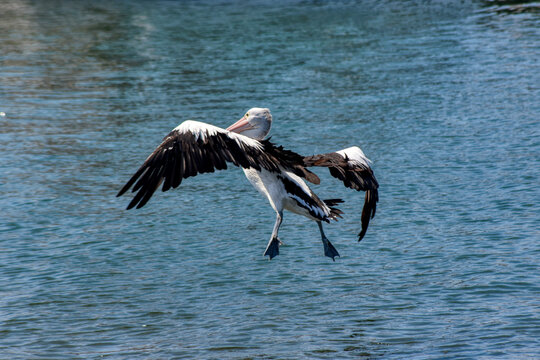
column 195, row 147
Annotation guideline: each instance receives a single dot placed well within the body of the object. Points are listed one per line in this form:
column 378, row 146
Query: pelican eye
column 247, row 114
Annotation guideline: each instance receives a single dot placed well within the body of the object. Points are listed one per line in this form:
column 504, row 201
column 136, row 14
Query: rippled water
column 443, row 97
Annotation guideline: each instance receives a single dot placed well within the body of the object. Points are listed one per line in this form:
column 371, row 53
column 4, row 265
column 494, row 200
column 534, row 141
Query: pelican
column 195, row 147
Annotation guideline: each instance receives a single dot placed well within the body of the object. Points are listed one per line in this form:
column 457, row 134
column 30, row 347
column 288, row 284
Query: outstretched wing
column 194, row 148
column 294, row 160
column 352, row 167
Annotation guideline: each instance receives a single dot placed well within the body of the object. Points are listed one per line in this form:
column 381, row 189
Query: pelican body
column 194, row 147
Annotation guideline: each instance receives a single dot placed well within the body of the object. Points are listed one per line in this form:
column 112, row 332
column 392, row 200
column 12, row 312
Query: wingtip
column 132, row 204
column 141, row 204
column 121, row 192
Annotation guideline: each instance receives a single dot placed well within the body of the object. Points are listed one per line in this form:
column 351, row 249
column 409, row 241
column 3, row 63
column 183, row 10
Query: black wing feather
column 354, row 175
column 296, row 161
column 182, row 154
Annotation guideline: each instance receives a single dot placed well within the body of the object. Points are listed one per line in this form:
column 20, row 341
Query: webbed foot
column 330, row 250
column 272, row 250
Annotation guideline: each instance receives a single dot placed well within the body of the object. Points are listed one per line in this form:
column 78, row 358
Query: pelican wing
column 194, row 148
column 294, row 160
column 352, row 167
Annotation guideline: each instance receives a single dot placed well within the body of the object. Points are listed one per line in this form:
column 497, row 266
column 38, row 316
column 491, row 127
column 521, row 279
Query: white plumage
column 354, row 153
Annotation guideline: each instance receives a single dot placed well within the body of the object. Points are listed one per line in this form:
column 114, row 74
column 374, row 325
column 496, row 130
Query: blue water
column 444, row 97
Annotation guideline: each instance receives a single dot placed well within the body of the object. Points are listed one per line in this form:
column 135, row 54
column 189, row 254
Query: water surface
column 443, row 97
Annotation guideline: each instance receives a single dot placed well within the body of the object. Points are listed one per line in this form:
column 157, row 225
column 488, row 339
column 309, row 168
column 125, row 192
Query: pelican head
column 255, row 124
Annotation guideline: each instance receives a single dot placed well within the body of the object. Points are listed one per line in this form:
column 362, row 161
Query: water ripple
column 443, row 97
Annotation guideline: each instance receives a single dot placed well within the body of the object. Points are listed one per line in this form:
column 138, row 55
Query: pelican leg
column 272, row 249
column 329, row 249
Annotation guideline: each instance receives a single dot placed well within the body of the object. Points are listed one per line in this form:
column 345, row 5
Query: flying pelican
column 195, row 147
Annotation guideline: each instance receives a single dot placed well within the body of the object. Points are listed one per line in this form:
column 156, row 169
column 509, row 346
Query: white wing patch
column 201, row 130
column 354, row 153
column 198, row 129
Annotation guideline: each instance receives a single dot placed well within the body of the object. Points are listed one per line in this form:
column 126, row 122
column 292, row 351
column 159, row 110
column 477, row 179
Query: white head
column 255, row 124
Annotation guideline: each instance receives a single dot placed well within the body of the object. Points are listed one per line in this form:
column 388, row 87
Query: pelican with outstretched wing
column 195, row 147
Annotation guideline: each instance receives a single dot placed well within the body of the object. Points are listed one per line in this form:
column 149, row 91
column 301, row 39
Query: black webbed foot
column 272, row 250
column 330, row 250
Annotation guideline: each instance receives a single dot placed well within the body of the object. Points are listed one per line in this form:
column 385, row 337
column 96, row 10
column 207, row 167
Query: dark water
column 443, row 97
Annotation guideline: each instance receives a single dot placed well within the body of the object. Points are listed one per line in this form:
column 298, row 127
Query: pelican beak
column 240, row 126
